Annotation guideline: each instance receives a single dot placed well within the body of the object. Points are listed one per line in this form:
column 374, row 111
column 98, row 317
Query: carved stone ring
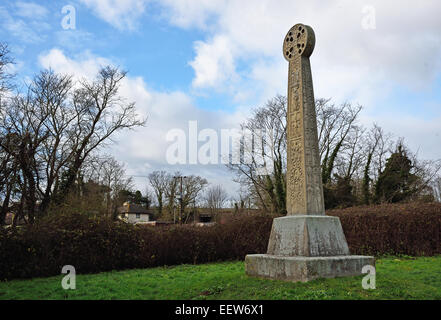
column 299, row 41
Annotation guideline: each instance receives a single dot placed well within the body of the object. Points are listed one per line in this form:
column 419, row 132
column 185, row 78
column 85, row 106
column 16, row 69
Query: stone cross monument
column 306, row 244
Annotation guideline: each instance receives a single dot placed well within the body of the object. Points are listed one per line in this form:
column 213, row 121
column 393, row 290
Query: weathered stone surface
column 304, row 183
column 304, row 268
column 308, row 236
column 306, row 244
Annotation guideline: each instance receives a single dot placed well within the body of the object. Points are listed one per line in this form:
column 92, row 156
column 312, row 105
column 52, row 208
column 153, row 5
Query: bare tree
column 8, row 178
column 100, row 113
column 215, row 198
column 347, row 151
column 150, row 194
column 384, row 148
column 56, row 126
column 339, row 148
column 264, row 148
column 334, row 126
column 23, row 124
column 110, row 174
column 160, row 181
column 350, row 159
column 5, row 62
column 170, row 186
column 171, row 192
column 437, row 188
column 427, row 172
column 191, row 190
column 372, row 142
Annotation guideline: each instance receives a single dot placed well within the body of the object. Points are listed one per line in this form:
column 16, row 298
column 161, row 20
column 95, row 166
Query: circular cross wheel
column 299, row 40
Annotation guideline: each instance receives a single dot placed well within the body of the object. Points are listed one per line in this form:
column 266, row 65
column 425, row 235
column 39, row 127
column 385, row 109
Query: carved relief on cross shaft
column 295, row 114
column 314, row 190
column 294, row 88
column 296, row 125
column 295, row 172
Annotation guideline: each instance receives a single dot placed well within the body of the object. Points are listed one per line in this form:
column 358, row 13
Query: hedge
column 97, row 245
column 412, row 229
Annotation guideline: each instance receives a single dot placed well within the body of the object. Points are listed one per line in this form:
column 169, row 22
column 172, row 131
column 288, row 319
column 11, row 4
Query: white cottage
column 133, row 213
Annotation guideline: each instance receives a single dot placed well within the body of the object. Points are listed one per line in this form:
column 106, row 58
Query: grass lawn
column 397, row 278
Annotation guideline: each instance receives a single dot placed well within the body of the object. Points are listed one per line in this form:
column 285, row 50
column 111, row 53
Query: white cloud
column 422, row 135
column 214, row 62
column 144, row 149
column 30, row 10
column 404, row 49
column 191, row 13
column 86, row 65
column 29, row 30
column 76, row 40
column 122, row 14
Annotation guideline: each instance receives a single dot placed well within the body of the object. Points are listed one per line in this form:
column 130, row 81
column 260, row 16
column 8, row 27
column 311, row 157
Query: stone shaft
column 304, row 183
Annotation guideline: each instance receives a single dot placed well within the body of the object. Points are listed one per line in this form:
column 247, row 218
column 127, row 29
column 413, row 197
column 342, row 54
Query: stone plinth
column 308, row 236
column 305, row 247
column 304, row 268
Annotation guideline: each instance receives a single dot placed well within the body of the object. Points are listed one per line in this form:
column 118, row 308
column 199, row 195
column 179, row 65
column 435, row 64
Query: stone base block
column 304, row 268
column 307, row 236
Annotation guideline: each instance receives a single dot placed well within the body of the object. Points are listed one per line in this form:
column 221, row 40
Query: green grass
column 397, row 278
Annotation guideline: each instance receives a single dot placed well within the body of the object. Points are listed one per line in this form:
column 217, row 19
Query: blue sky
column 212, row 61
column 153, row 50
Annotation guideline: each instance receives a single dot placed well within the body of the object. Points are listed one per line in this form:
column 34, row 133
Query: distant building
column 10, row 217
column 205, row 219
column 134, row 213
column 209, row 218
column 158, row 223
column 10, row 214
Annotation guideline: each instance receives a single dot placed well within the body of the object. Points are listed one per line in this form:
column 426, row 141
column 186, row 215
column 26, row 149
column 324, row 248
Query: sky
column 213, row 61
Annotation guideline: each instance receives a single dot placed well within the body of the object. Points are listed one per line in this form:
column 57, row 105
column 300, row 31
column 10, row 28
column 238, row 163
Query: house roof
column 133, row 208
column 206, row 214
column 9, row 217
